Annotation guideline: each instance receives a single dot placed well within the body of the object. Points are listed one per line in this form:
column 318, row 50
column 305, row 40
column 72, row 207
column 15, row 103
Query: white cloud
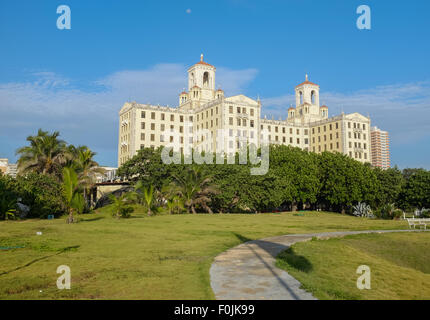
column 402, row 109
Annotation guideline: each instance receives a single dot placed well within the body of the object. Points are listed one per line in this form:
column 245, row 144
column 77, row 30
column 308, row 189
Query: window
column 238, row 121
column 298, row 131
column 152, row 115
column 283, row 139
column 191, row 118
column 252, row 123
column 172, row 117
column 142, row 125
column 230, row 121
column 283, row 129
column 142, row 136
column 162, row 138
column 349, row 125
column 231, row 109
column 306, row 132
column 291, row 130
column 276, row 129
column 291, row 140
column 152, row 137
column 152, row 126
column 181, row 118
column 298, row 141
column 162, row 116
column 252, row 112
column 306, row 141
column 162, row 127
column 181, row 129
column 142, row 115
column 238, row 109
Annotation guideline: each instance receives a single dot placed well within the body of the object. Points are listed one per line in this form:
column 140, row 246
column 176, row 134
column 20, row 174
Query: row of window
column 358, row 155
column 325, row 147
column 330, row 126
column 242, row 110
column 269, row 128
column 241, row 122
column 325, row 137
column 163, row 116
column 357, row 135
column 357, row 125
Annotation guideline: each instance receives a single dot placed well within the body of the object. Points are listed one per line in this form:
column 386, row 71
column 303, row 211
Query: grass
column 399, row 265
column 161, row 257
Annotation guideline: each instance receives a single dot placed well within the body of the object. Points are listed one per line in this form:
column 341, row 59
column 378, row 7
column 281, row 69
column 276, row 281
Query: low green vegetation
column 143, row 257
column 399, row 265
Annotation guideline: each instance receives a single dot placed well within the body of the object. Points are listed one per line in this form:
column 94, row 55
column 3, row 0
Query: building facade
column 380, row 142
column 207, row 120
column 7, row 168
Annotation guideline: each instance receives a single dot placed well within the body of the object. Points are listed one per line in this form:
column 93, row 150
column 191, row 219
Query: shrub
column 386, row 211
column 362, row 210
column 121, row 205
column 397, row 214
column 42, row 193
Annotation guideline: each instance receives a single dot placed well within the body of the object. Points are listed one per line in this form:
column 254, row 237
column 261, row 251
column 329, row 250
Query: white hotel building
column 203, row 111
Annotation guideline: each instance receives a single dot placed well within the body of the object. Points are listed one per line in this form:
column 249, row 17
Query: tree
column 415, row 193
column 390, row 184
column 81, row 160
column 195, row 189
column 74, row 199
column 121, row 205
column 45, row 154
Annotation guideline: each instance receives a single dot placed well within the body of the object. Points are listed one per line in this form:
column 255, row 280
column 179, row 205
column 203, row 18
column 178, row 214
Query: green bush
column 42, row 193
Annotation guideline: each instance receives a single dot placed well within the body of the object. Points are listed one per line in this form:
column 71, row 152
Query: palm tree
column 7, row 207
column 174, row 205
column 74, row 199
column 121, row 205
column 45, row 154
column 81, row 159
column 195, row 188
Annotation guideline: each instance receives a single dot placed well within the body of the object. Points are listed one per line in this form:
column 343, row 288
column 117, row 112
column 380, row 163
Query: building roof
column 307, row 82
column 184, row 92
column 291, row 108
column 195, row 87
column 205, row 63
column 324, row 107
column 220, row 90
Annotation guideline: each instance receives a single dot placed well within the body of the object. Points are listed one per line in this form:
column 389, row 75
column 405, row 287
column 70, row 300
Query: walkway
column 248, row 272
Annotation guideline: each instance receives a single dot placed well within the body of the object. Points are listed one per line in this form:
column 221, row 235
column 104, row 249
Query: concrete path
column 248, row 272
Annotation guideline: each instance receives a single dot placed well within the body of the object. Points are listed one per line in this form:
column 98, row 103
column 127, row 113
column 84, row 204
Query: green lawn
column 162, row 257
column 399, row 265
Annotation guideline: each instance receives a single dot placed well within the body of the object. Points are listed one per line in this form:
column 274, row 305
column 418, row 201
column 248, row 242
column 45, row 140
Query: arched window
column 206, row 79
column 313, row 97
column 193, row 81
column 301, row 97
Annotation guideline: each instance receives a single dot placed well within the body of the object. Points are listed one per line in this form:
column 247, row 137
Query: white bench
column 418, row 222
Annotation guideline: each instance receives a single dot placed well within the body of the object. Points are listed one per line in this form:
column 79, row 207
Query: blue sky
column 75, row 81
